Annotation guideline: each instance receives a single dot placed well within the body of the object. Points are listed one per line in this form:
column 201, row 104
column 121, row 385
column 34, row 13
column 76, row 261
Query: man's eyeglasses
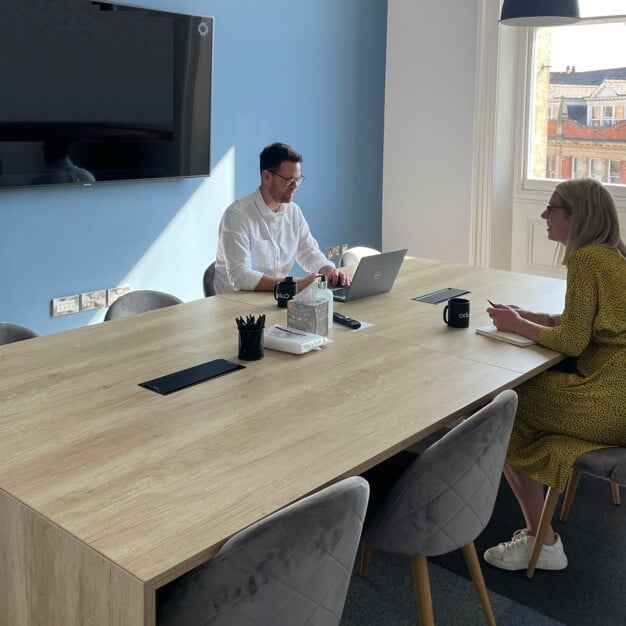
column 289, row 180
column 551, row 207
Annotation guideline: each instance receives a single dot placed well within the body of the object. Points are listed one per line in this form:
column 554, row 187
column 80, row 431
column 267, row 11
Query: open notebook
column 514, row 338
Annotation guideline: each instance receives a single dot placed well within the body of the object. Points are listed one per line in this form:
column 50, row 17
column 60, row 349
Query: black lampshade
column 539, row 12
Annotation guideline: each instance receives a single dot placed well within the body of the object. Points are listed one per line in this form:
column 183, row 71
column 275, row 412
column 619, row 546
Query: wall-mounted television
column 95, row 91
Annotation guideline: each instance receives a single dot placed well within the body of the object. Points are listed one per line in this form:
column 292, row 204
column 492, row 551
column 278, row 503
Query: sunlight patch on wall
column 176, row 260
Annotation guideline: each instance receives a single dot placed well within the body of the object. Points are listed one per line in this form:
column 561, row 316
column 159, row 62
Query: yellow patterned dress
column 562, row 415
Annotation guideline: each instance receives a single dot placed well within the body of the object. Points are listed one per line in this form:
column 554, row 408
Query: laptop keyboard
column 339, row 292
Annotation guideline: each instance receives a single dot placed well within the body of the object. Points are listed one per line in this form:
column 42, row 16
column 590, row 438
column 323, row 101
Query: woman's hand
column 506, row 318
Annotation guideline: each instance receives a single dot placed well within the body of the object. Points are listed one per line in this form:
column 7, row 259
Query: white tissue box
column 310, row 317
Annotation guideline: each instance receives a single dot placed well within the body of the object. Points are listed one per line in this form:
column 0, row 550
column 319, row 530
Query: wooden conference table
column 109, row 490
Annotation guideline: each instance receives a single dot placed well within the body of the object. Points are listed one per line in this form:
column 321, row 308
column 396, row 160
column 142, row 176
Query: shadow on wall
column 154, row 234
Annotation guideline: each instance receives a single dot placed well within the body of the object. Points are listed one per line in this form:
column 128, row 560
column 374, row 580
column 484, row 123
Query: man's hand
column 334, row 276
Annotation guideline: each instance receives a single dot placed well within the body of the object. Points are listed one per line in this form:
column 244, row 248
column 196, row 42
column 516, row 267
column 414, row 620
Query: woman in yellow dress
column 562, row 414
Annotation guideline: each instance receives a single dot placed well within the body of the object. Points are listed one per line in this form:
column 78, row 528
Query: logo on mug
column 285, row 291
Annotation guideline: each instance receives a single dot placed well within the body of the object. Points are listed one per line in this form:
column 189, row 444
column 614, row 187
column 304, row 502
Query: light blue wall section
column 307, row 72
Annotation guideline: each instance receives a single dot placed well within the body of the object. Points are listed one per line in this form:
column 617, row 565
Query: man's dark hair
column 272, row 156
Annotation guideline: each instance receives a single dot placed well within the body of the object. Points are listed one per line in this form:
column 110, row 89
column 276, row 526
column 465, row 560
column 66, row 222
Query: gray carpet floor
column 386, row 598
column 589, row 592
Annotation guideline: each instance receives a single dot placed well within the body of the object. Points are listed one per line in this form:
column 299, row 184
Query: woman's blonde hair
column 593, row 217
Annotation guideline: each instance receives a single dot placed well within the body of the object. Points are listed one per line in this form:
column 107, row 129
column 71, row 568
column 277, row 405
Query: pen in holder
column 251, row 332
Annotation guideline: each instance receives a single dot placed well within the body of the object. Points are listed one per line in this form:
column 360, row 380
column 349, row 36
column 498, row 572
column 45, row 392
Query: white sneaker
column 515, row 554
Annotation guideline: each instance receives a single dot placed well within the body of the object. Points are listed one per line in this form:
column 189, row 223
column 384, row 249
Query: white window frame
column 502, row 190
column 528, row 189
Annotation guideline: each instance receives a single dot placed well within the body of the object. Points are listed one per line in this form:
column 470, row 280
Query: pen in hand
column 490, row 302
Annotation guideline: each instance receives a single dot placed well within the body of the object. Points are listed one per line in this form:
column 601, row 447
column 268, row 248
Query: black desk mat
column 435, row 297
column 191, row 376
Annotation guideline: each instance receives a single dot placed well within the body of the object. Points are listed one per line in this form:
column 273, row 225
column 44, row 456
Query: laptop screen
column 375, row 274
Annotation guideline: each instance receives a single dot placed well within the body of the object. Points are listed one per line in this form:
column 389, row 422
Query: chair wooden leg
column 421, row 582
column 549, row 505
column 570, row 492
column 615, row 492
column 366, row 552
column 476, row 574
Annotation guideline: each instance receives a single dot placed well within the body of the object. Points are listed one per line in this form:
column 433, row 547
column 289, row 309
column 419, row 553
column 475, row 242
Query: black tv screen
column 93, row 91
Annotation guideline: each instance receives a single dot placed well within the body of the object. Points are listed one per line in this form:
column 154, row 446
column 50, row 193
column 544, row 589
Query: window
column 577, row 122
column 595, row 169
column 579, row 169
column 614, row 172
column 602, row 116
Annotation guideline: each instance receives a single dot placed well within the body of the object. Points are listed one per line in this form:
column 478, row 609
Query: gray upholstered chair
column 207, row 280
column 352, row 256
column 606, row 464
column 442, row 499
column 10, row 332
column 292, row 568
column 138, row 302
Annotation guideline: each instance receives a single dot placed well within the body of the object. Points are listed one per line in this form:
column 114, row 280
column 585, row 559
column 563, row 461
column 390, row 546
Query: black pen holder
column 251, row 344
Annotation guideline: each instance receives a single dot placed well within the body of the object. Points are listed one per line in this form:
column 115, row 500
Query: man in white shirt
column 261, row 235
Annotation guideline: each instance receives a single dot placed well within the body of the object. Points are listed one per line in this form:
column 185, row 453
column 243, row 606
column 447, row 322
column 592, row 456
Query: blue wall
column 307, row 72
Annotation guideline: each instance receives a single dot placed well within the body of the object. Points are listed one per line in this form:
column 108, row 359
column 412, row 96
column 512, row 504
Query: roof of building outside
column 591, row 77
column 571, row 91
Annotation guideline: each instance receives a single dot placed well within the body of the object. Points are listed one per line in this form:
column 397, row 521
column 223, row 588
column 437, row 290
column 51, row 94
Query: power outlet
column 114, row 293
column 65, row 305
column 93, row 300
column 333, row 252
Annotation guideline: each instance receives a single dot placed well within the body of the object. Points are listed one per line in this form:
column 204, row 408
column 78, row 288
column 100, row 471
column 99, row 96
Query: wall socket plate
column 65, row 305
column 114, row 293
column 93, row 300
column 333, row 252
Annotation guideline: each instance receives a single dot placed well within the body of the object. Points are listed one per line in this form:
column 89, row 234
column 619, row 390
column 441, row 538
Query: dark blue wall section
column 307, row 72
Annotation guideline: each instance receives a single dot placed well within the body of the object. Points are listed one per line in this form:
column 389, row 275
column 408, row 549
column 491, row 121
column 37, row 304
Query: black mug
column 457, row 313
column 285, row 291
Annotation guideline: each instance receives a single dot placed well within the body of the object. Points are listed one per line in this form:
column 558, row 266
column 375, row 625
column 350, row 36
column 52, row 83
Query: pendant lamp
column 539, row 12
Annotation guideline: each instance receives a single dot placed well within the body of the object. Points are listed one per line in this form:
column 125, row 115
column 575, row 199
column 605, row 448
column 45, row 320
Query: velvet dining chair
column 607, row 464
column 10, row 332
column 352, row 256
column 291, row 568
column 139, row 301
column 442, row 499
column 207, row 281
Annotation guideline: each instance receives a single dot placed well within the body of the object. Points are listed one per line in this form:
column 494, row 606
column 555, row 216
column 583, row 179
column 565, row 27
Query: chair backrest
column 289, row 569
column 10, row 332
column 207, row 280
column 138, row 302
column 445, row 498
column 353, row 255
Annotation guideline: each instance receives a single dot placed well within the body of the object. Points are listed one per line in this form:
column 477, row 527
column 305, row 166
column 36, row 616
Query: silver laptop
column 375, row 274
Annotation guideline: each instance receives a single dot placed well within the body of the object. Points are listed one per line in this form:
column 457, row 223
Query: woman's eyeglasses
column 551, row 207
